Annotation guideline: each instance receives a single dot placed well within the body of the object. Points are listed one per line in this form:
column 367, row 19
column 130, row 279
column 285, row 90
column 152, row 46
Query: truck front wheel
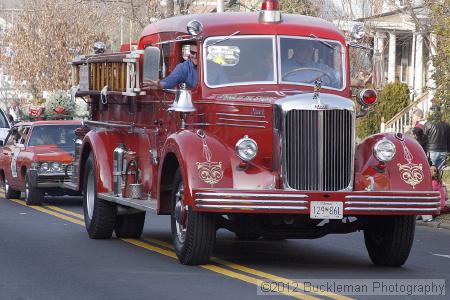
column 193, row 233
column 99, row 215
column 389, row 240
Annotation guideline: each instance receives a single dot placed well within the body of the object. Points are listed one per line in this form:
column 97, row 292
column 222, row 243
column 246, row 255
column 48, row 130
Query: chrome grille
column 318, row 149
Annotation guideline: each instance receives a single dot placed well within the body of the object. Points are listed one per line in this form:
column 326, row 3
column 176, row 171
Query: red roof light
column 270, row 5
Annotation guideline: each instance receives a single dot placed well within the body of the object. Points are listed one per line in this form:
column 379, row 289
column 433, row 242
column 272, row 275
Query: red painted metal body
column 224, row 115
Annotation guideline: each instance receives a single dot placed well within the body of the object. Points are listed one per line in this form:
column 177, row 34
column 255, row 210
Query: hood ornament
column 316, row 96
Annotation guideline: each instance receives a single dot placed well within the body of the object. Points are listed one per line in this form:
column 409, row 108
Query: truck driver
column 184, row 72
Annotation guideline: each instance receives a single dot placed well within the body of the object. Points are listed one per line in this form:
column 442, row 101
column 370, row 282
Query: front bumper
column 55, row 180
column 297, row 202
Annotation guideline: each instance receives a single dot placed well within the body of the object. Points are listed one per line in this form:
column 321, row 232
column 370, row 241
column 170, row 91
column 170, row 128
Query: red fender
column 221, row 171
column 393, row 175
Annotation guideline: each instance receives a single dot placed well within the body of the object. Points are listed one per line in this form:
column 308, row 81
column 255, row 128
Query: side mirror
column 152, row 56
column 378, row 71
column 1, row 143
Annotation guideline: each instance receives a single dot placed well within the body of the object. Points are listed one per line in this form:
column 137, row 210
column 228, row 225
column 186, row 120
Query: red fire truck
column 262, row 145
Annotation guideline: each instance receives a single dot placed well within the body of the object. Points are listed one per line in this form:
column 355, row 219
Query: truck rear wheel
column 99, row 215
column 193, row 233
column 130, row 226
column 11, row 193
column 389, row 241
column 33, row 196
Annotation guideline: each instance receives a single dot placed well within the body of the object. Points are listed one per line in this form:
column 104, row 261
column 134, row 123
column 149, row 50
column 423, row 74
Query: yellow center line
column 261, row 274
column 213, row 268
column 47, row 211
column 65, row 211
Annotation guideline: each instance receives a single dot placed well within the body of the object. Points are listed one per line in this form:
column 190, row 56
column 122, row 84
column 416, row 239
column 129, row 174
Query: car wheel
column 193, row 233
column 389, row 240
column 33, row 196
column 11, row 193
column 130, row 226
column 99, row 215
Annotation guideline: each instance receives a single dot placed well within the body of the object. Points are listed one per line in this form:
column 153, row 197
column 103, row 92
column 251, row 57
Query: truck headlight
column 384, row 150
column 246, row 148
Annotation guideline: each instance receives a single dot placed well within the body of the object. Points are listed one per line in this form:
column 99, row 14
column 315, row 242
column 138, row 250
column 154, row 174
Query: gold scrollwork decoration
column 411, row 173
column 210, row 172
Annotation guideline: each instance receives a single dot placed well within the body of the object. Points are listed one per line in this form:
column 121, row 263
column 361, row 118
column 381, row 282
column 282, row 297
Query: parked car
column 5, row 125
column 36, row 158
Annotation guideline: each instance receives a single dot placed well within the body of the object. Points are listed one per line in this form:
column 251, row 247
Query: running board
column 146, row 205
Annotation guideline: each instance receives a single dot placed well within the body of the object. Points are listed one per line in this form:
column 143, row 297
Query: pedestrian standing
column 437, row 132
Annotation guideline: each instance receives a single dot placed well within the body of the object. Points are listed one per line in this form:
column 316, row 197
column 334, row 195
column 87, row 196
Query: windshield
column 244, row 60
column 61, row 135
column 239, row 60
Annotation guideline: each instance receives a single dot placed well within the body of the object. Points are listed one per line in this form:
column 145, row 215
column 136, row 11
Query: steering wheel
column 303, row 69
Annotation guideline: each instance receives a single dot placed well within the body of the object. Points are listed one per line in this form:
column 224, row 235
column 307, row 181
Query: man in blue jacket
column 185, row 72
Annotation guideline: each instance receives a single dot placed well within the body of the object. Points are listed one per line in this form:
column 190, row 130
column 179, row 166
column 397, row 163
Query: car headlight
column 246, row 148
column 44, row 167
column 55, row 166
column 384, row 150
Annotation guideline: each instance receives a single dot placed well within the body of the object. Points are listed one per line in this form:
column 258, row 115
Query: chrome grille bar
column 319, row 148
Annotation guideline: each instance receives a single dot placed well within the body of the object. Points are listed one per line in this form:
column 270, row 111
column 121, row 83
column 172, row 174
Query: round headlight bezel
column 378, row 150
column 241, row 148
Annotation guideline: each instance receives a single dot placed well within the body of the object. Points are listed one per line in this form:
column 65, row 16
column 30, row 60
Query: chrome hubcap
column 180, row 214
column 90, row 195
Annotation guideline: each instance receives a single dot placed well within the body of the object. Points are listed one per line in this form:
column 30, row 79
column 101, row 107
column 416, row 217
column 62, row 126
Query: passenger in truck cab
column 301, row 63
column 184, row 72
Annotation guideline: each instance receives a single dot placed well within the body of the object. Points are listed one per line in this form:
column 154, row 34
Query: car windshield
column 245, row 60
column 61, row 135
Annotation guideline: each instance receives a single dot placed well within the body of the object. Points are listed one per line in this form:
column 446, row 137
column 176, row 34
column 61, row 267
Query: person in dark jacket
column 438, row 136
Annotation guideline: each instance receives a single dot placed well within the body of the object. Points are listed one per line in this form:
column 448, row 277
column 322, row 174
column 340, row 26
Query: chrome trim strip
column 410, row 198
column 231, row 201
column 238, row 115
column 251, row 207
column 320, row 142
column 392, row 209
column 241, row 125
column 231, row 195
column 238, row 120
column 393, row 203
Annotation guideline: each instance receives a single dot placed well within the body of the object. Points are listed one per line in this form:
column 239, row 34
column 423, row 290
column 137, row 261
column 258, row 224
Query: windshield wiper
column 224, row 39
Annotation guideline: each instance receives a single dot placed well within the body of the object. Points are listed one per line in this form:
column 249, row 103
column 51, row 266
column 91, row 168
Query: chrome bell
column 183, row 101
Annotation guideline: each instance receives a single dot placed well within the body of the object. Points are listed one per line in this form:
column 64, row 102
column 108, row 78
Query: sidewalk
column 442, row 221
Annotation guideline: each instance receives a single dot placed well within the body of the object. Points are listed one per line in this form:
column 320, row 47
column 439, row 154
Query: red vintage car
column 36, row 159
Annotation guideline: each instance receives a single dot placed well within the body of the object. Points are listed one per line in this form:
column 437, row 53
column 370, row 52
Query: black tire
column 11, row 193
column 130, row 226
column 247, row 236
column 33, row 196
column 389, row 240
column 194, row 237
column 99, row 215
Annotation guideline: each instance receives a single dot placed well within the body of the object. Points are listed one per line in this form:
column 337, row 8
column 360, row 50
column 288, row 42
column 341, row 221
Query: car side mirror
column 1, row 143
column 152, row 57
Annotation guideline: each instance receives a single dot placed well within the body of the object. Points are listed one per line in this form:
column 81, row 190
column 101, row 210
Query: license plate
column 326, row 210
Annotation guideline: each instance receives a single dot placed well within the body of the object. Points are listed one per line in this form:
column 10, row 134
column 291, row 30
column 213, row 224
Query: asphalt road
column 45, row 253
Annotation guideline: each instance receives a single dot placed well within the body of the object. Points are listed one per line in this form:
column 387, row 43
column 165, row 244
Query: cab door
column 9, row 155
